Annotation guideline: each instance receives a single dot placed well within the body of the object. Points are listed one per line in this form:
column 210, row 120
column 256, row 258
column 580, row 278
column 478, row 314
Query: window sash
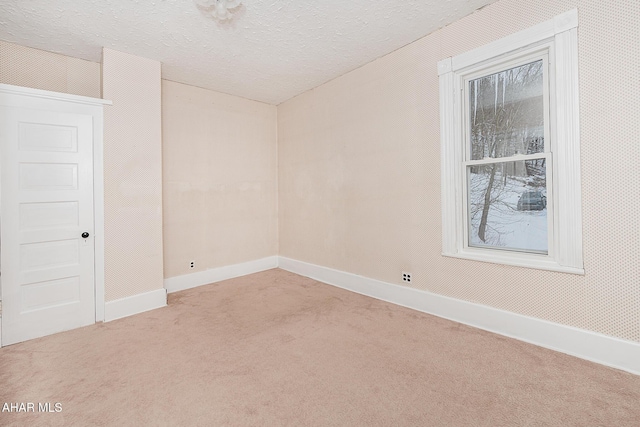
column 550, row 204
column 538, row 53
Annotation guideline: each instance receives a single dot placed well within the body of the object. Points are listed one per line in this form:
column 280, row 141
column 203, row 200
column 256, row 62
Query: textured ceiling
column 270, row 51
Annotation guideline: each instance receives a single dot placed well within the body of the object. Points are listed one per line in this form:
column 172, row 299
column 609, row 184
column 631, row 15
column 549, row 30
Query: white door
column 46, row 168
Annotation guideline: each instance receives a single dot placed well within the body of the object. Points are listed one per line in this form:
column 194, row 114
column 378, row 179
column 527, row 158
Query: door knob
column 85, row 235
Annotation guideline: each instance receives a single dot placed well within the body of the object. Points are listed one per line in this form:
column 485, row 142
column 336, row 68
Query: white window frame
column 558, row 39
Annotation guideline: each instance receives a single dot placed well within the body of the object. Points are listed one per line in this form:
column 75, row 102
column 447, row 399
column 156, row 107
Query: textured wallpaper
column 219, row 179
column 24, row 66
column 132, row 175
column 359, row 172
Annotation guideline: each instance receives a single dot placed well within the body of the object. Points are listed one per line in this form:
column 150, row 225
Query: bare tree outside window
column 507, row 205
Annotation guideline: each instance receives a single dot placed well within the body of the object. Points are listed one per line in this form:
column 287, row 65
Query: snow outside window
column 510, row 150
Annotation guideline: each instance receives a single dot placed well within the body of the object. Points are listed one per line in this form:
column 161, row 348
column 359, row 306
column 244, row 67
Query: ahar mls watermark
column 32, row 407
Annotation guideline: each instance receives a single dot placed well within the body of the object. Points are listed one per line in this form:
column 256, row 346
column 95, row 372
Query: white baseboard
column 134, row 304
column 599, row 348
column 188, row 281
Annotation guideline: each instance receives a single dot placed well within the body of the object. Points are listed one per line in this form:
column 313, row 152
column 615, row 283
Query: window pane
column 506, row 112
column 508, row 205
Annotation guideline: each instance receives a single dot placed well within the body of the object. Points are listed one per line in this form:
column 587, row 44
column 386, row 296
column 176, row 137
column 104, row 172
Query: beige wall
column 359, row 172
column 24, row 66
column 219, row 179
column 133, row 175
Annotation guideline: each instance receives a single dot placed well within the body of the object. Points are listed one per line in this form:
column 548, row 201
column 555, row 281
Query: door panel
column 48, row 255
column 48, row 138
column 48, row 176
column 36, row 296
column 48, row 280
column 38, row 216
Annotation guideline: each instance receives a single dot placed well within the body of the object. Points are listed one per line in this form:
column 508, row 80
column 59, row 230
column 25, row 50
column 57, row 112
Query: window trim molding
column 566, row 256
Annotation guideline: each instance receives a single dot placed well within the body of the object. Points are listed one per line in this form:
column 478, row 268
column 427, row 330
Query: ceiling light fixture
column 219, row 9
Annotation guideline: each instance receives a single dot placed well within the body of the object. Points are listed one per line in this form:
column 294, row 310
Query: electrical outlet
column 406, row 277
column 192, row 264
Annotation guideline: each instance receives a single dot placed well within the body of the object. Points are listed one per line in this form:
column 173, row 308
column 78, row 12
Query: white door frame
column 17, row 96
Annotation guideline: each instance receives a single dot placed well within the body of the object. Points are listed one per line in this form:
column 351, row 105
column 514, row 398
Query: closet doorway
column 48, row 206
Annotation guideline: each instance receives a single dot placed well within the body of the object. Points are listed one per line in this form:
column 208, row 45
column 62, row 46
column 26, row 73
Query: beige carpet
column 275, row 349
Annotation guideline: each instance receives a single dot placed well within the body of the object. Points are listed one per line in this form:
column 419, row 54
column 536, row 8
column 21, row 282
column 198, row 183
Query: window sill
column 527, row 261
